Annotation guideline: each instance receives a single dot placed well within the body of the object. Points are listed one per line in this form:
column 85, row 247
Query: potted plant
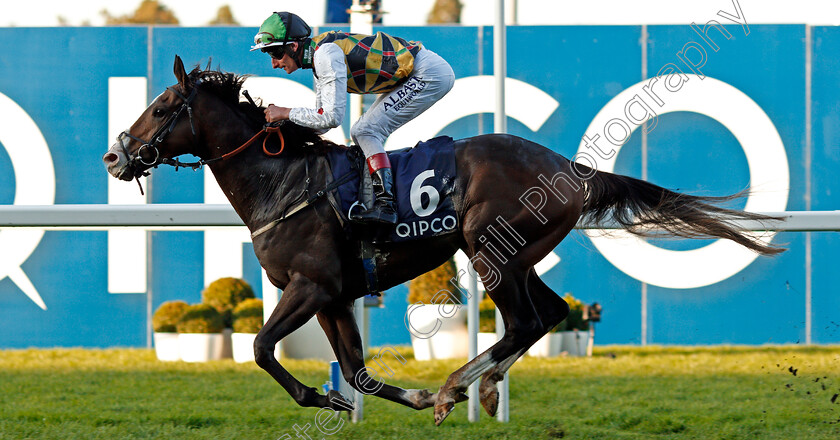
column 224, row 294
column 200, row 333
column 437, row 323
column 486, row 323
column 164, row 321
column 247, row 322
column 576, row 335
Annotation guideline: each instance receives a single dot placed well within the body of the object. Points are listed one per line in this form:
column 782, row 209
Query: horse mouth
column 117, row 166
column 125, row 173
column 121, row 172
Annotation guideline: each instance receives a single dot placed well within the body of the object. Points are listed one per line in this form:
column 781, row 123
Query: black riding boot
column 382, row 210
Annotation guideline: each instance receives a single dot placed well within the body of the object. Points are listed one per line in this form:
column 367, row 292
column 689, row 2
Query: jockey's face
column 286, row 63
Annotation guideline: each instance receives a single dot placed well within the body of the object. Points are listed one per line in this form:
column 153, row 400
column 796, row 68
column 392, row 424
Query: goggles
column 276, row 52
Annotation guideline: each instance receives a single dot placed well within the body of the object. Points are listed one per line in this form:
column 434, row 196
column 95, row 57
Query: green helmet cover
column 279, row 29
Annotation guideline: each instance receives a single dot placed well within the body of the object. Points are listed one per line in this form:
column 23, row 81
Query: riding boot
column 383, row 210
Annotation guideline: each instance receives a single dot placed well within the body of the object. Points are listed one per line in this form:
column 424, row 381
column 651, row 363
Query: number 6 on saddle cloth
column 424, row 186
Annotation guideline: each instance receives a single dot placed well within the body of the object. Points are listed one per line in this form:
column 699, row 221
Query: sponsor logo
column 420, row 227
column 401, row 97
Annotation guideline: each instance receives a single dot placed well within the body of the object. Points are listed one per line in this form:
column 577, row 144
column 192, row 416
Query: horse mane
column 227, row 86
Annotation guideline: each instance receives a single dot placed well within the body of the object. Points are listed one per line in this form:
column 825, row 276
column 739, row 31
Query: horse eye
column 158, row 113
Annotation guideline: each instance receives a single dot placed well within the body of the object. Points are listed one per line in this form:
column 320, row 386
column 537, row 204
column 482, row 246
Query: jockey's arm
column 330, row 91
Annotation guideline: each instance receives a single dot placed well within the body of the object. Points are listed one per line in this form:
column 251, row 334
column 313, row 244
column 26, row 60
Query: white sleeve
column 330, row 91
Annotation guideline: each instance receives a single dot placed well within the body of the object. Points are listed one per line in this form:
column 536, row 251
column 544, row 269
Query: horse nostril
column 110, row 158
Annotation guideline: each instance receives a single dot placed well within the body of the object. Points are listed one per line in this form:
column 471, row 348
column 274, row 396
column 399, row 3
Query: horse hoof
column 489, row 396
column 442, row 411
column 422, row 399
column 337, row 402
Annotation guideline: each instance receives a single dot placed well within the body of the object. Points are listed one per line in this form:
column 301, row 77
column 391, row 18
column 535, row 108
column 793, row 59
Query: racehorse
column 310, row 258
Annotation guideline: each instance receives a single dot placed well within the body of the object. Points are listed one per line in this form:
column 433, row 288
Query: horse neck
column 256, row 185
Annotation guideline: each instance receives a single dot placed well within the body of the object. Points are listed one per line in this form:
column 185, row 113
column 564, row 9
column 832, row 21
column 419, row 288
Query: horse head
column 165, row 130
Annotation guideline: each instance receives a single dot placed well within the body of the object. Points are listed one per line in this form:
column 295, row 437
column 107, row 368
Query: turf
column 620, row 393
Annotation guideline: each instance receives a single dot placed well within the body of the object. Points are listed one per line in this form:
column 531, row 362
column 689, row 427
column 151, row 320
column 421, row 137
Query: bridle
column 157, row 137
column 169, row 125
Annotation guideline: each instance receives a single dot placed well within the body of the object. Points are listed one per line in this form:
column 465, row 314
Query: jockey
column 407, row 77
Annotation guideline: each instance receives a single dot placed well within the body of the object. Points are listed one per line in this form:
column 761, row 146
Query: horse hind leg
column 488, row 391
column 522, row 324
column 552, row 310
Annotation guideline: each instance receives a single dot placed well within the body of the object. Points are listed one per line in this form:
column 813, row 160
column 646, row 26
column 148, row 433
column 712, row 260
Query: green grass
column 620, row 393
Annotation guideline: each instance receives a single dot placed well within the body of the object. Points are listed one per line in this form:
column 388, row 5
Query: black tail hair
column 641, row 207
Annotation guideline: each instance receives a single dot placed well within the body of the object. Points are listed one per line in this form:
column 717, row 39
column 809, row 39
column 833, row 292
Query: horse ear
column 180, row 72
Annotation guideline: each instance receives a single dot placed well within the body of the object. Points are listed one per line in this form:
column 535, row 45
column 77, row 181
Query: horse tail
column 641, row 208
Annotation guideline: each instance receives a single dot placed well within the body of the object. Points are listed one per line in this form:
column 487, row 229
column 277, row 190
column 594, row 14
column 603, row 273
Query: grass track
column 620, row 393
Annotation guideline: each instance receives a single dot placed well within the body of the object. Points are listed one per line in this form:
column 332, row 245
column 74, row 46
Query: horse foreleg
column 339, row 324
column 300, row 301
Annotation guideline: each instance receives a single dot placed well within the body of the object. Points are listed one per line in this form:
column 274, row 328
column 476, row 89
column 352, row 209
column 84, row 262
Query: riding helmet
column 280, row 29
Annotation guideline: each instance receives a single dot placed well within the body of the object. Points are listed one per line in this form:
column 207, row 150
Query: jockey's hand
column 274, row 113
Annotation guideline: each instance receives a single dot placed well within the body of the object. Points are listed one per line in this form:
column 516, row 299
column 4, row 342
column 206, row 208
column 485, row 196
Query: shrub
column 224, row 294
column 167, row 315
column 575, row 319
column 248, row 316
column 487, row 315
column 201, row 318
column 425, row 287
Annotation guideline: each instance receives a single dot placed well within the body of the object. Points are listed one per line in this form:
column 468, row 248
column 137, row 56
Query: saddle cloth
column 424, row 187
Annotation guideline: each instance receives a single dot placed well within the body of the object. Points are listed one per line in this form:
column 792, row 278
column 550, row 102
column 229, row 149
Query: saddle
column 424, row 188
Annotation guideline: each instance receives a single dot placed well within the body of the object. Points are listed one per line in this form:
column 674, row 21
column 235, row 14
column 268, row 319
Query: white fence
column 205, row 215
column 163, row 216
